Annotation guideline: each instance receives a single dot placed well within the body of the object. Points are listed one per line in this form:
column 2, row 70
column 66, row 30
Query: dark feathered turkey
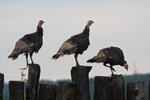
column 29, row 44
column 77, row 44
column 112, row 56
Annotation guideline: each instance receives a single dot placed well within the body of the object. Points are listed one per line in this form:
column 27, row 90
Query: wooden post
column 80, row 77
column 32, row 82
column 47, row 92
column 1, row 85
column 135, row 91
column 16, row 90
column 149, row 90
column 118, row 87
column 109, row 88
column 102, row 88
column 66, row 91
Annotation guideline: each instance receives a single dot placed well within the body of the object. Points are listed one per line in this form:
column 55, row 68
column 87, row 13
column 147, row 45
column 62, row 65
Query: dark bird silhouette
column 112, row 56
column 76, row 44
column 29, row 44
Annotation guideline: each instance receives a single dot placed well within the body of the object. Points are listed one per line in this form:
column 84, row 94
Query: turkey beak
column 126, row 66
column 43, row 22
column 92, row 22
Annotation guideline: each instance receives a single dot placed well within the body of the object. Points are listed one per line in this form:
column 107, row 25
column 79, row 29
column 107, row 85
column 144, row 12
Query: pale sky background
column 122, row 23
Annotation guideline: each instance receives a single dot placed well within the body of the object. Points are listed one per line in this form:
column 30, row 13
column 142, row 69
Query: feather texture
column 20, row 47
column 110, row 55
column 76, row 44
column 29, row 43
column 67, row 47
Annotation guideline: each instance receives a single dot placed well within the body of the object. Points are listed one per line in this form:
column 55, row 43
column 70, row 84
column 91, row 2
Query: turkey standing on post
column 112, row 56
column 77, row 44
column 29, row 44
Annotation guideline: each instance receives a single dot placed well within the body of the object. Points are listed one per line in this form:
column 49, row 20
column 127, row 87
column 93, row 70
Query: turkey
column 112, row 56
column 29, row 44
column 76, row 44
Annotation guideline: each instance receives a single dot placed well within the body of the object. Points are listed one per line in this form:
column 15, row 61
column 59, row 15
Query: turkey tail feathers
column 96, row 59
column 56, row 56
column 91, row 60
column 13, row 55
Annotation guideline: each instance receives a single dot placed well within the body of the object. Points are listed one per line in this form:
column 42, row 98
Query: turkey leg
column 75, row 56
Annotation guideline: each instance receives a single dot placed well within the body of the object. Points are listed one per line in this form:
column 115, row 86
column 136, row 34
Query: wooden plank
column 80, row 77
column 135, row 91
column 1, row 85
column 16, row 90
column 109, row 88
column 47, row 92
column 32, row 82
column 66, row 91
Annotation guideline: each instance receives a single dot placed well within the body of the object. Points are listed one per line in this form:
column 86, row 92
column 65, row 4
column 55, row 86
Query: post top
column 34, row 65
column 114, row 76
column 81, row 68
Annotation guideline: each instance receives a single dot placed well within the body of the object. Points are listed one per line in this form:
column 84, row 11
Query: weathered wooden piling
column 66, row 91
column 47, row 92
column 135, row 91
column 118, row 87
column 1, row 85
column 109, row 88
column 32, row 82
column 16, row 90
column 80, row 77
column 149, row 90
column 102, row 88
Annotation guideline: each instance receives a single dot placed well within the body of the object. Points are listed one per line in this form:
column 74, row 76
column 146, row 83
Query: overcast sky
column 122, row 23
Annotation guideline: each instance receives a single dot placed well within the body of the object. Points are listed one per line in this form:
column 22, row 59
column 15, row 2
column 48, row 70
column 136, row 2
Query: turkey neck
column 86, row 30
column 39, row 31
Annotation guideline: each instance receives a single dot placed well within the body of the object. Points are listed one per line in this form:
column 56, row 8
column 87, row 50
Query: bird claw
column 28, row 65
column 112, row 69
column 78, row 65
